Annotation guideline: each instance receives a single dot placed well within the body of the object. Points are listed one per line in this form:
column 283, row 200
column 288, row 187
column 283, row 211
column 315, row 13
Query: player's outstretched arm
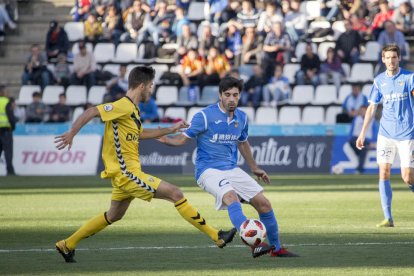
column 176, row 140
column 159, row 132
column 370, row 113
column 66, row 139
column 246, row 152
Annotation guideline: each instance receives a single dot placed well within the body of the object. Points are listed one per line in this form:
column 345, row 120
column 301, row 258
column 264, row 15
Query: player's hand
column 360, row 142
column 261, row 175
column 162, row 139
column 177, row 127
column 64, row 140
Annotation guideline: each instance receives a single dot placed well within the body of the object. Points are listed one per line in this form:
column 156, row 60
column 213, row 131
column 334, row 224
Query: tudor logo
column 108, row 107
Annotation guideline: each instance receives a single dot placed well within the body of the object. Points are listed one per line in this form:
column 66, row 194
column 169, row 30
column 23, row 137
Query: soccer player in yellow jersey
column 123, row 129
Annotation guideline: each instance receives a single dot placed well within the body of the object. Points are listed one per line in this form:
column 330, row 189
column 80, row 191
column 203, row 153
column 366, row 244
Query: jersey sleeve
column 197, row 126
column 244, row 133
column 115, row 110
column 375, row 96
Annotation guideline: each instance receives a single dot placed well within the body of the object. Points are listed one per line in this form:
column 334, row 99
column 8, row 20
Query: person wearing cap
column 56, row 40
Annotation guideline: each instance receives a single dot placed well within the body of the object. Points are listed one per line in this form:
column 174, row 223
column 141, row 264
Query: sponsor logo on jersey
column 131, row 137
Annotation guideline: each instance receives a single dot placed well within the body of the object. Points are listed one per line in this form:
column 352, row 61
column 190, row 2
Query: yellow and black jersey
column 121, row 135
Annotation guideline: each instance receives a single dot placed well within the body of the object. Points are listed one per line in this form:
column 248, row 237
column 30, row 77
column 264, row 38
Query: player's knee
column 384, row 175
column 113, row 217
column 264, row 205
column 408, row 179
column 230, row 197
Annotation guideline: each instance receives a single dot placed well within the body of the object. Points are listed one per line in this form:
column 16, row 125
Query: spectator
column 252, row 45
column 5, row 19
column 180, row 20
column 351, row 8
column 207, row 40
column 81, row 10
column 35, row 70
column 7, row 126
column 93, row 29
column 192, row 66
column 183, row 4
column 295, row 21
column 61, row 71
column 149, row 111
column 234, row 72
column 390, row 35
column 118, row 86
column 84, row 67
column 215, row 68
column 60, row 112
column 276, row 49
column 331, row 69
column 18, row 112
column 309, row 67
column 352, row 104
column 252, row 93
column 135, row 21
column 270, row 15
column 36, row 110
column 216, row 9
column 186, row 41
column 385, row 14
column 112, row 26
column 230, row 12
column 56, row 41
column 404, row 18
column 278, row 88
column 248, row 16
column 231, row 41
column 348, row 44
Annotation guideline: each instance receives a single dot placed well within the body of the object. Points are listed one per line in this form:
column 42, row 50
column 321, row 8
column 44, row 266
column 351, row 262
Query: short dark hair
column 140, row 75
column 2, row 90
column 391, row 48
column 36, row 94
column 230, row 82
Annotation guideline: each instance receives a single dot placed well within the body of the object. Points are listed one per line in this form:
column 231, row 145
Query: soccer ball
column 252, row 232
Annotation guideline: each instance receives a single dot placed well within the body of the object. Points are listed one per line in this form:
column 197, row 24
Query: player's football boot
column 386, row 223
column 262, row 249
column 225, row 237
column 282, row 252
column 66, row 253
column 411, row 187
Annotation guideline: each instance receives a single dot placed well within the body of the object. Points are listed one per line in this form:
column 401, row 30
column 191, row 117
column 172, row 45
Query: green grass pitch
column 328, row 220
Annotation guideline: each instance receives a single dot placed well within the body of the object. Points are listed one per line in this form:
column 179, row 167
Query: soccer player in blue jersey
column 220, row 130
column 395, row 89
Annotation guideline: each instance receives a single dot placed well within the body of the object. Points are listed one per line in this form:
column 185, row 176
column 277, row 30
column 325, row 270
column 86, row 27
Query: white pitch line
column 204, row 247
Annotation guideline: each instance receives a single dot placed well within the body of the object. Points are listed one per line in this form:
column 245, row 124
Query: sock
column 190, row 214
column 90, row 228
column 386, row 197
column 272, row 230
column 411, row 187
column 236, row 214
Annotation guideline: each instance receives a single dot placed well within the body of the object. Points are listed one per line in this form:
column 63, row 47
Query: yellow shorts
column 137, row 185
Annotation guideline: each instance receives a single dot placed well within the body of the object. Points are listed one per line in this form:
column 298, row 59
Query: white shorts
column 387, row 148
column 218, row 183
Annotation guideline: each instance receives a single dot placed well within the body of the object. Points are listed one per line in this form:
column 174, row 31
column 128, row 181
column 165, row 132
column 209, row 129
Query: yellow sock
column 90, row 228
column 190, row 214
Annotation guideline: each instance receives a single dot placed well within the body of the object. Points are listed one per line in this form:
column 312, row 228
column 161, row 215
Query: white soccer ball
column 252, row 232
column 338, row 169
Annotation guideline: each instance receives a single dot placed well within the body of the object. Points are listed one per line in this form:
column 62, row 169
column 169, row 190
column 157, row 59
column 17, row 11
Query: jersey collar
column 233, row 120
column 394, row 76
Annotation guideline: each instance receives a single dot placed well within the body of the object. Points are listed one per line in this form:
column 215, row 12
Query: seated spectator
column 60, row 112
column 352, row 104
column 35, row 70
column 252, row 93
column 118, row 86
column 186, row 41
column 192, row 65
column 61, row 71
column 149, row 111
column 351, row 8
column 309, row 67
column 93, row 29
column 216, row 8
column 277, row 47
column 348, row 44
column 183, row 4
column 385, row 14
column 207, row 40
column 36, row 110
column 390, row 35
column 134, row 22
column 252, row 45
column 112, row 26
column 84, row 66
column 270, row 15
column 234, row 73
column 248, row 15
column 179, row 21
column 56, row 41
column 403, row 18
column 331, row 69
column 5, row 20
column 216, row 67
column 278, row 88
column 231, row 41
column 81, row 10
column 295, row 21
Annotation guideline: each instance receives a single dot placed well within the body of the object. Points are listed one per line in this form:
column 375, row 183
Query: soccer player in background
column 220, row 129
column 395, row 89
column 123, row 129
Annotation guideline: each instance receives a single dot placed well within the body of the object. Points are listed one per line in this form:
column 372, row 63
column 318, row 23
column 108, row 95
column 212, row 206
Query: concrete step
column 11, row 74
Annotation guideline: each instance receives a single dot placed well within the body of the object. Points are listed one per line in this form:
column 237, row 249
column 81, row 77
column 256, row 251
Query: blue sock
column 236, row 214
column 269, row 220
column 411, row 187
column 386, row 197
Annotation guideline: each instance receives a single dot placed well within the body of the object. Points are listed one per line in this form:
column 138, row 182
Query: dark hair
column 36, row 94
column 391, row 48
column 140, row 75
column 229, row 83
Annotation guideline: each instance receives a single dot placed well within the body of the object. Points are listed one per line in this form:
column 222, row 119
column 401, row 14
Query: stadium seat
column 246, row 71
column 289, row 71
column 347, row 70
column 266, row 116
column 300, row 50
column 338, row 27
column 344, row 91
column 126, row 52
column 312, row 115
column 75, row 48
column 289, row 115
column 192, row 111
column 167, row 95
column 175, row 113
column 175, row 69
column 209, row 95
column 302, row 94
column 77, row 112
column 361, row 72
column 76, row 95
column 312, row 9
column 406, row 55
column 159, row 70
column 366, row 89
column 323, row 49
column 104, row 52
column 96, row 94
column 26, row 92
column 74, row 31
column 318, row 26
column 249, row 112
column 160, row 112
column 51, row 94
column 372, row 51
column 112, row 68
column 325, row 94
column 331, row 112
column 197, row 11
column 183, row 98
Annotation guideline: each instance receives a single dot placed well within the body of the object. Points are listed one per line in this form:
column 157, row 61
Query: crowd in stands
column 264, row 33
column 8, row 16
